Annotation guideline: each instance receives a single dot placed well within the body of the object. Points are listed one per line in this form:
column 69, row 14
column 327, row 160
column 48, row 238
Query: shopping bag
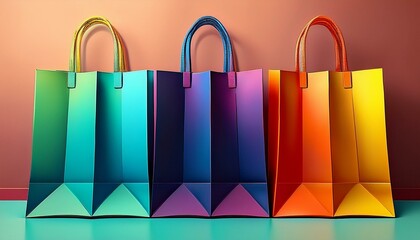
column 92, row 138
column 327, row 146
column 209, row 139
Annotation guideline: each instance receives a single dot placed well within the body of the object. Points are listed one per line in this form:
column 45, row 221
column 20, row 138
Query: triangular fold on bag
column 61, row 202
column 121, row 202
column 382, row 192
column 259, row 192
column 83, row 192
column 360, row 202
column 283, row 192
column 160, row 193
column 340, row 191
column 219, row 191
column 101, row 192
column 201, row 191
column 304, row 203
column 141, row 192
column 239, row 202
column 181, row 203
column 38, row 192
column 323, row 193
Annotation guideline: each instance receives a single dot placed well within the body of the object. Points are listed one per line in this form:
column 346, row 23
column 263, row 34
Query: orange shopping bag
column 327, row 138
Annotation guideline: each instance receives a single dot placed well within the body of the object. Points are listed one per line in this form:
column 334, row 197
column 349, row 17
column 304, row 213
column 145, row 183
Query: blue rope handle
column 227, row 46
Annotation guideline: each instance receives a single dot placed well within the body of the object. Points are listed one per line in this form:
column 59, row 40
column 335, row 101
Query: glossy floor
column 14, row 225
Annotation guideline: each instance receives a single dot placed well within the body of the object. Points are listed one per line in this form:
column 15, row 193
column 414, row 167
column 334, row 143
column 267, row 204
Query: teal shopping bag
column 92, row 138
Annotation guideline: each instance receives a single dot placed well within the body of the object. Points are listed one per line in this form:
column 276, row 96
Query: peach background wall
column 378, row 33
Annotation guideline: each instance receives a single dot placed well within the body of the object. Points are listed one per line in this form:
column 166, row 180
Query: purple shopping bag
column 209, row 139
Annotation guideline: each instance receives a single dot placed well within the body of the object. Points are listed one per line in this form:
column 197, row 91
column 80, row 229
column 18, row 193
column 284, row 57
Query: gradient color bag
column 209, row 139
column 327, row 138
column 91, row 138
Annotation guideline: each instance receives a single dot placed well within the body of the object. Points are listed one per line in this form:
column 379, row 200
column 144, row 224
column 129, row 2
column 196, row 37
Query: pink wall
column 378, row 33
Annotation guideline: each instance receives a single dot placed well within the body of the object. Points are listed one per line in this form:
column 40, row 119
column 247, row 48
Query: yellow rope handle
column 119, row 49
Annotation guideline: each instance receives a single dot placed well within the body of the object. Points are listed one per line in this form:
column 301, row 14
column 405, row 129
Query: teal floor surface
column 14, row 225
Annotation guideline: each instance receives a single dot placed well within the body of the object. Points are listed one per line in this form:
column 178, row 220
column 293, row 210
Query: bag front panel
column 197, row 130
column 369, row 115
column 49, row 135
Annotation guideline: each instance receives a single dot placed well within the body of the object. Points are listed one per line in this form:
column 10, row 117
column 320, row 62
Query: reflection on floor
column 13, row 225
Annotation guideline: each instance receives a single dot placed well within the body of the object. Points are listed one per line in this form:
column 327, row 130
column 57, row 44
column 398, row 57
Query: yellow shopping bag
column 327, row 138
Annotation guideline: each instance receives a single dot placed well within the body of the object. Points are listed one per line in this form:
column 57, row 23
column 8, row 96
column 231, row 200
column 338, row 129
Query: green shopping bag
column 92, row 138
